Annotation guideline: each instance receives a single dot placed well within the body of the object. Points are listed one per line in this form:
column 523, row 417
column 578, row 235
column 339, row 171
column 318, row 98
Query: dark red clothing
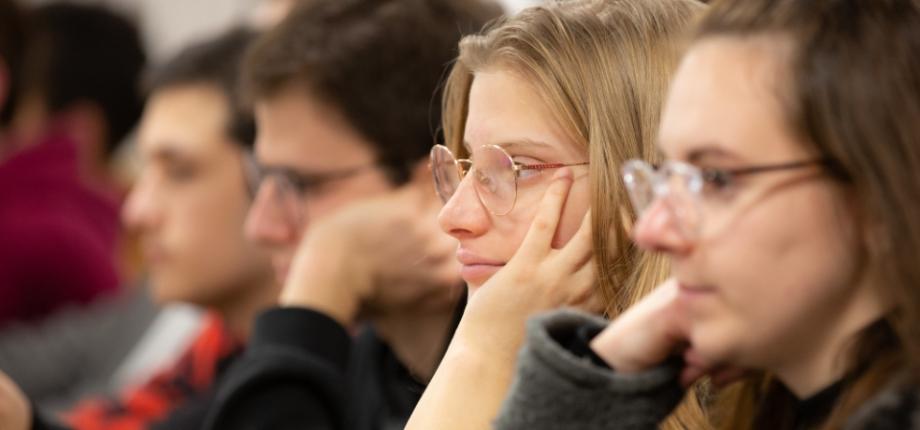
column 190, row 381
column 58, row 236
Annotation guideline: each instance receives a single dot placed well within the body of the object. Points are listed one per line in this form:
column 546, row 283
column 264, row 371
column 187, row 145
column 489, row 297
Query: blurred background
column 77, row 320
column 167, row 25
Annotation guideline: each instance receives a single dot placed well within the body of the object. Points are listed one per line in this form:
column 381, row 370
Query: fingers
column 580, row 247
column 644, row 335
column 540, row 235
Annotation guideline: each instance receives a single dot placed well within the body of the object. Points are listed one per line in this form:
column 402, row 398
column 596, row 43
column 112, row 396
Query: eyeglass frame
column 301, row 183
column 705, row 175
column 516, row 167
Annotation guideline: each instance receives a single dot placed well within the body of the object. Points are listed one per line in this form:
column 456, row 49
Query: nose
column 266, row 222
column 464, row 216
column 659, row 230
column 141, row 210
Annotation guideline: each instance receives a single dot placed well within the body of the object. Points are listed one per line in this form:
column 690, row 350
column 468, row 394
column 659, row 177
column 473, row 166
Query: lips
column 690, row 289
column 469, row 258
column 476, row 269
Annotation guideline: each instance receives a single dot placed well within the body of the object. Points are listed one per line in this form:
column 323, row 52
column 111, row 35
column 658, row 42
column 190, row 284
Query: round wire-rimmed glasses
column 495, row 175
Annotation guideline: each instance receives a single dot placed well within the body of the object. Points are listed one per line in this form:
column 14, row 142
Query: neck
column 240, row 312
column 824, row 352
column 418, row 340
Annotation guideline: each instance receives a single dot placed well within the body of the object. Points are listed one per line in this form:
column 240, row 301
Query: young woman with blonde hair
column 567, row 90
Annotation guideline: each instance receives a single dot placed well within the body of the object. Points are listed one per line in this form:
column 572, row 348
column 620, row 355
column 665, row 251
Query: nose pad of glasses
column 682, row 213
column 660, row 226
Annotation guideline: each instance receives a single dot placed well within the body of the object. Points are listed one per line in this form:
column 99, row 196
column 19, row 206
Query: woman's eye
column 523, row 171
column 716, row 180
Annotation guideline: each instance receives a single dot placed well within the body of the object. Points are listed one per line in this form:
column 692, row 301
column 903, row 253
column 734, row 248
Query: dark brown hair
column 379, row 62
column 853, row 94
column 215, row 62
column 13, row 33
column 87, row 53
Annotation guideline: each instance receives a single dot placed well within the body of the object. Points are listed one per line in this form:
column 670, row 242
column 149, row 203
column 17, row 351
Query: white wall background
column 167, row 25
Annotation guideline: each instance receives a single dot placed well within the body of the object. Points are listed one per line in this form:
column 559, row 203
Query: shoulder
column 897, row 406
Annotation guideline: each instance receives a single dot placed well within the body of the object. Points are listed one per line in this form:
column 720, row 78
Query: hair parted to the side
column 853, row 94
column 603, row 68
column 378, row 62
column 214, row 62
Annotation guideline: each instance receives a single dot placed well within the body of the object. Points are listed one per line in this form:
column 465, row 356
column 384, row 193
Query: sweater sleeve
column 558, row 384
column 292, row 375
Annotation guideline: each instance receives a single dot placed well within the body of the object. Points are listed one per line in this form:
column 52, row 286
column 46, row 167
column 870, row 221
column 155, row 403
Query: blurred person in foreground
column 189, row 206
column 78, row 96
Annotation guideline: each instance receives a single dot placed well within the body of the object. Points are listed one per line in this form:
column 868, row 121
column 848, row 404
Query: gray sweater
column 556, row 388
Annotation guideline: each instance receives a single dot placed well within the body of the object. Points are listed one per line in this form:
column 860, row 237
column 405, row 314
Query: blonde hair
column 603, row 68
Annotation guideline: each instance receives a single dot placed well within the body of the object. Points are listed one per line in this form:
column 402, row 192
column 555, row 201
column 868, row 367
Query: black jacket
column 302, row 370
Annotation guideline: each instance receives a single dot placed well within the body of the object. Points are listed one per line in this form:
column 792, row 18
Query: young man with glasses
column 345, row 96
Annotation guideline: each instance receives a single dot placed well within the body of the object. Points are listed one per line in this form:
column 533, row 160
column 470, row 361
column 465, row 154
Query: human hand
column 536, row 279
column 649, row 332
column 375, row 257
column 15, row 413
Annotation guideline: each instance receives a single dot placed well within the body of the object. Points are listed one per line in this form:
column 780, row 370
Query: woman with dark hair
column 788, row 207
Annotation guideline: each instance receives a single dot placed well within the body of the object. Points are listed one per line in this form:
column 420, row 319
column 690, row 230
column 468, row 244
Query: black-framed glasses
column 291, row 188
column 685, row 187
column 495, row 175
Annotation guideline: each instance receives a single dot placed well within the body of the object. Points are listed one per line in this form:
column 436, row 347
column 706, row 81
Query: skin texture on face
column 773, row 281
column 298, row 132
column 190, row 202
column 505, row 110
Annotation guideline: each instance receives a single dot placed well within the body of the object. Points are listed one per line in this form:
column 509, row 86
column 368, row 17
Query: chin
column 716, row 344
column 165, row 290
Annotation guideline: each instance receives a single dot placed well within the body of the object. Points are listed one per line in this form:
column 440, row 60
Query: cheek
column 785, row 266
column 209, row 229
column 512, row 228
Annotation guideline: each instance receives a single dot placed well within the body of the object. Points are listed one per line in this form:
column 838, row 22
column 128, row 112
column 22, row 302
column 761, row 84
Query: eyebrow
column 710, row 150
column 511, row 144
column 168, row 153
column 294, row 171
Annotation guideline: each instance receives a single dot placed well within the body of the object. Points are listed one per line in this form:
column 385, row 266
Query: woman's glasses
column 495, row 175
column 687, row 190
